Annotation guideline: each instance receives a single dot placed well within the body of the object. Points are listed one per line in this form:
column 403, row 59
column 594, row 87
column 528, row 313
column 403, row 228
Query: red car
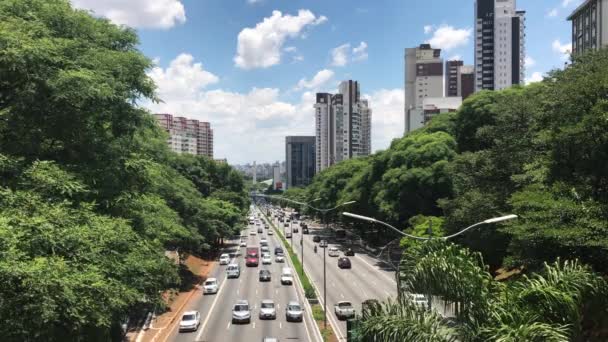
column 252, row 256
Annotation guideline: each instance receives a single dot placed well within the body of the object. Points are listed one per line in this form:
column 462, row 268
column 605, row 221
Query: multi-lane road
column 216, row 309
column 367, row 279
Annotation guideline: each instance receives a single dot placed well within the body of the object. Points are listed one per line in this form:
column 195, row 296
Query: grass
column 317, row 312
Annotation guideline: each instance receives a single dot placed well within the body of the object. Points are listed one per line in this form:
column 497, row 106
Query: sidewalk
column 164, row 324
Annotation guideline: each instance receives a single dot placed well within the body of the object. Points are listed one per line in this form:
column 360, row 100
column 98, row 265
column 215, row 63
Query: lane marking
column 280, row 325
column 376, row 269
column 253, row 325
column 227, row 327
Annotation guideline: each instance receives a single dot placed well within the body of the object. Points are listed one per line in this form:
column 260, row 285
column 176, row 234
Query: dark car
column 295, row 229
column 344, row 262
column 265, row 275
column 316, row 238
column 349, row 252
column 305, row 231
column 278, row 250
column 340, row 233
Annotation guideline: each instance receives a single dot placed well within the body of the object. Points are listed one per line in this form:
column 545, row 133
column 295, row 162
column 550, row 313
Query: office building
column 187, row 135
column 589, row 26
column 300, row 160
column 342, row 125
column 423, row 78
column 499, row 44
column 277, row 183
column 459, row 79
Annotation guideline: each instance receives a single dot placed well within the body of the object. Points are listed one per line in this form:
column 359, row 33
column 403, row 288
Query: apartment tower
column 499, row 44
column 187, row 135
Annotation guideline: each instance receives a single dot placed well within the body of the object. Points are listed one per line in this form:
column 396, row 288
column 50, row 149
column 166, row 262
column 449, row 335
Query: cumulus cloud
column 447, row 37
column 322, row 77
column 253, row 122
column 387, row 116
column 563, row 49
column 529, row 62
column 343, row 54
column 535, row 77
column 428, row 29
column 138, row 13
column 552, row 13
column 261, row 46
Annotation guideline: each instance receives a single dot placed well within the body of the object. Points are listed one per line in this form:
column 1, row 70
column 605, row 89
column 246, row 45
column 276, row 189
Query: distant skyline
column 252, row 68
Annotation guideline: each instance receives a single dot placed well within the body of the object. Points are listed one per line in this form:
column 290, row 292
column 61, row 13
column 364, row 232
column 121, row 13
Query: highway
column 367, row 279
column 216, row 309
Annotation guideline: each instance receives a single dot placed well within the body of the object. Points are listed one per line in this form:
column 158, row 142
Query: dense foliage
column 539, row 151
column 90, row 195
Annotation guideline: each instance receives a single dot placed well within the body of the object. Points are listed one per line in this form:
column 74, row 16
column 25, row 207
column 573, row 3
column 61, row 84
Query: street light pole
column 324, row 281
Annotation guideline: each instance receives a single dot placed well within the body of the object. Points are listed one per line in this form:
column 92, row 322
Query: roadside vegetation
column 90, row 195
column 539, row 151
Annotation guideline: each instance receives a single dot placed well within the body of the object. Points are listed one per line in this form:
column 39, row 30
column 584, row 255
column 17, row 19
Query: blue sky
column 251, row 67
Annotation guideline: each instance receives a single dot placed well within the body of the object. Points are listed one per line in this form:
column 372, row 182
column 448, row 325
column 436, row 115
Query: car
column 268, row 310
column 241, row 312
column 286, row 276
column 265, row 249
column 349, row 252
column 344, row 262
column 323, row 243
column 252, row 233
column 295, row 229
column 224, row 259
column 333, row 251
column 278, row 250
column 279, row 258
column 288, row 235
column 190, row 321
column 340, row 233
column 243, row 244
column 344, row 310
column 316, row 238
column 264, row 275
column 294, row 312
column 305, row 230
column 233, row 271
column 270, row 339
column 270, row 232
column 263, row 242
column 266, row 259
column 210, row 286
column 260, row 230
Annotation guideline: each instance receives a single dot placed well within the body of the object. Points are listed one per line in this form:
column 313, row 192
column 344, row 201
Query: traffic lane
column 217, row 328
column 202, row 303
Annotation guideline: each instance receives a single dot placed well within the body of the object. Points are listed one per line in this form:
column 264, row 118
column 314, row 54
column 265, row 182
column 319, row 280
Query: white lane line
column 375, row 269
column 253, row 325
column 280, row 325
column 227, row 327
column 237, row 291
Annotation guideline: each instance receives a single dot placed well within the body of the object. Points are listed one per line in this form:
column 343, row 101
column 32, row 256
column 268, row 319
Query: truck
column 252, row 256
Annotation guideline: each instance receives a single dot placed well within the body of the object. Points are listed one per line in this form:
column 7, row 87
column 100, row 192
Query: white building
column 499, row 44
column 342, row 125
column 423, row 78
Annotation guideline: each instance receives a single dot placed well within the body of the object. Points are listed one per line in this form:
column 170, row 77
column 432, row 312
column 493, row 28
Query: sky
column 252, row 67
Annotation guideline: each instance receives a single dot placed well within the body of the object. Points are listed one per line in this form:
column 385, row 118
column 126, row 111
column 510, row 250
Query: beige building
column 187, row 135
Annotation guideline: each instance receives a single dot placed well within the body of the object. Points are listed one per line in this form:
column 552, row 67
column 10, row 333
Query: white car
column 344, row 310
column 279, row 258
column 286, row 276
column 268, row 310
column 210, row 286
column 270, row 232
column 266, row 259
column 265, row 249
column 333, row 252
column 243, row 244
column 294, row 312
column 252, row 232
column 263, row 242
column 224, row 259
column 241, row 312
column 190, row 321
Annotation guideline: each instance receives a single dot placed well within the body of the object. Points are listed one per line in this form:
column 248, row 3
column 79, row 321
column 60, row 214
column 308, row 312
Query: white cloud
column 343, row 54
column 297, row 58
column 290, row 49
column 182, row 79
column 339, row 55
column 318, row 80
column 455, row 58
column 260, row 47
column 138, row 13
column 552, row 13
column 254, row 1
column 428, row 29
column 563, row 49
column 535, row 77
column 387, row 116
column 566, row 3
column 360, row 52
column 447, row 37
column 529, row 62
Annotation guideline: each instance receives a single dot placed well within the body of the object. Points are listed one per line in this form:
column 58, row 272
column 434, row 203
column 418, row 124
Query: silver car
column 241, row 312
column 294, row 312
column 268, row 310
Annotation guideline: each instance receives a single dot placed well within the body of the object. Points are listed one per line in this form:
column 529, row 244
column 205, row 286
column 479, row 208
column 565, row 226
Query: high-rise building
column 187, row 135
column 277, row 184
column 499, row 44
column 589, row 26
column 459, row 79
column 343, row 125
column 300, row 160
column 423, row 78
